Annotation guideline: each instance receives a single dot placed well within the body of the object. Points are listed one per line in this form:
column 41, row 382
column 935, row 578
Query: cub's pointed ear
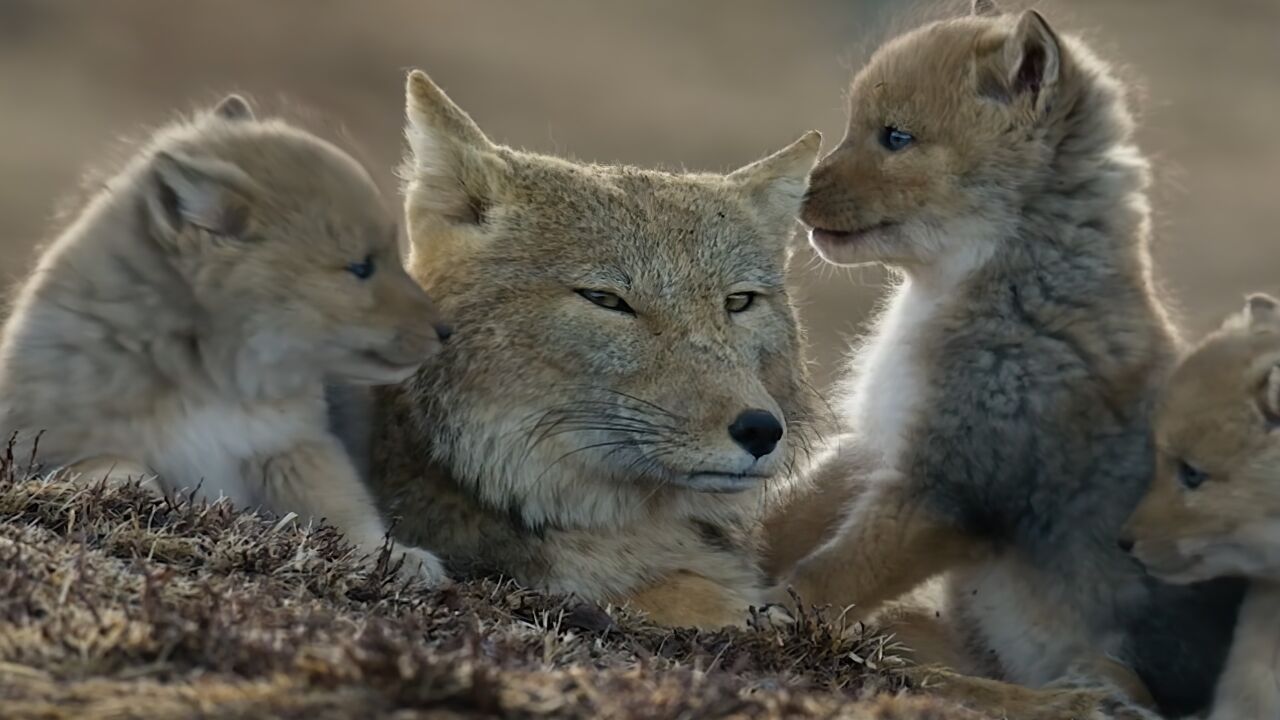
column 777, row 184
column 1269, row 398
column 986, row 8
column 1032, row 55
column 202, row 193
column 453, row 170
column 233, row 107
column 1262, row 311
column 1028, row 64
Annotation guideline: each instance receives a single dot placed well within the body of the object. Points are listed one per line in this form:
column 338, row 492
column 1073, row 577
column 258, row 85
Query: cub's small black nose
column 757, row 431
column 444, row 331
column 1125, row 543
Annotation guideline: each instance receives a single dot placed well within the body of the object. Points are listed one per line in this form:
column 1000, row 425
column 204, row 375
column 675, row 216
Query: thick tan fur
column 184, row 324
column 1213, row 508
column 612, row 323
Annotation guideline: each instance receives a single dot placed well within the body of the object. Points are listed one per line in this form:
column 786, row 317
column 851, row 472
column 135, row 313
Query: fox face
column 628, row 326
column 285, row 239
column 949, row 125
column 1213, row 508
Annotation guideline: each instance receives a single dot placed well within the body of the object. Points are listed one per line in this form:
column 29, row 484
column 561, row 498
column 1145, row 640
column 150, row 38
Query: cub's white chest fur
column 889, row 375
column 215, row 444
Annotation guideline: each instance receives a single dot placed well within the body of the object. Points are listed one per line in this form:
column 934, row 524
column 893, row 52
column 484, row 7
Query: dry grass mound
column 117, row 604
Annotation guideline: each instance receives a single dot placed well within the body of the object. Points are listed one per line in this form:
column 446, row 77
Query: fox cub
column 1213, row 509
column 190, row 315
column 999, row 411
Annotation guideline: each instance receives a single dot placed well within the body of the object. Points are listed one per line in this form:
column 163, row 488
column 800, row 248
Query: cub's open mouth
column 383, row 362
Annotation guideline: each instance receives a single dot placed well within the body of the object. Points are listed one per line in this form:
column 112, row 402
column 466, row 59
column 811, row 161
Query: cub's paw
column 781, row 595
column 771, row 615
column 418, row 564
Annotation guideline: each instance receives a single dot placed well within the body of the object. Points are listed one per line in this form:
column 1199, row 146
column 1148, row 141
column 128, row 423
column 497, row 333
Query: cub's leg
column 317, row 479
column 687, row 599
column 113, row 470
column 926, row 637
column 1016, row 702
column 889, row 543
column 802, row 523
column 1250, row 683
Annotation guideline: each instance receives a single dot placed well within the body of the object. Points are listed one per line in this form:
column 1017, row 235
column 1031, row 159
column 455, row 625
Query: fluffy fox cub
column 1213, row 509
column 190, row 315
column 999, row 411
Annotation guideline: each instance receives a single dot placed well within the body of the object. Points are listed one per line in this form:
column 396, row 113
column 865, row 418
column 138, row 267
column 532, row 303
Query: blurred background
column 706, row 85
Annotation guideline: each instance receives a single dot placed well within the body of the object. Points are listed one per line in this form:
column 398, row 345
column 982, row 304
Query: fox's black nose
column 1125, row 543
column 444, row 331
column 757, row 431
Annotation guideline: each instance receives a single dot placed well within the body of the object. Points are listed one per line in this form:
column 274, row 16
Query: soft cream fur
column 184, row 323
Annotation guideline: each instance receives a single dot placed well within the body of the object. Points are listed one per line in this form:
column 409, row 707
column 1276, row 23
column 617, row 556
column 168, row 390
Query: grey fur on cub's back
column 1012, row 376
column 579, row 441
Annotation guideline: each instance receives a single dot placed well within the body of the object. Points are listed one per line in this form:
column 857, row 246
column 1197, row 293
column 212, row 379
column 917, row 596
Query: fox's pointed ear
column 1029, row 64
column 435, row 117
column 452, row 169
column 207, row 194
column 777, row 183
column 233, row 107
column 985, row 8
column 1262, row 311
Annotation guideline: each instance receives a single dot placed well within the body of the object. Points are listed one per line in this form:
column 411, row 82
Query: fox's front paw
column 419, row 564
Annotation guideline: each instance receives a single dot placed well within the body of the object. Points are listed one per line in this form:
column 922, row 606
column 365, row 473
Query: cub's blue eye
column 894, row 139
column 363, row 269
column 1190, row 476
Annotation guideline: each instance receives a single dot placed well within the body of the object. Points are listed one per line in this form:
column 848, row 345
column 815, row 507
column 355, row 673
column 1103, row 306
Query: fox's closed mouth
column 718, row 482
column 827, row 236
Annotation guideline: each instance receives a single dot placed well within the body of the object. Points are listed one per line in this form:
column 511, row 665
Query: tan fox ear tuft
column 207, row 194
column 778, row 182
column 434, row 118
column 233, row 107
column 453, row 170
column 1262, row 311
column 986, row 8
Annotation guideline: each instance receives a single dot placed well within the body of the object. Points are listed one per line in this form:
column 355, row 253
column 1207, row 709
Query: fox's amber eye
column 363, row 269
column 738, row 302
column 894, row 139
column 1190, row 476
column 607, row 300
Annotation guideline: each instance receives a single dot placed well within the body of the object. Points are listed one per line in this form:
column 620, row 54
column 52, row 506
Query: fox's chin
column 856, row 247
